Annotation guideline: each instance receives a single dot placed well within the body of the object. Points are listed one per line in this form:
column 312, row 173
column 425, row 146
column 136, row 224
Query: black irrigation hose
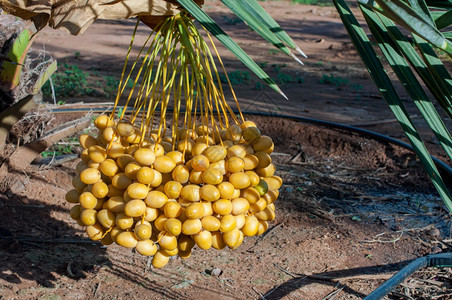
column 375, row 135
column 437, row 260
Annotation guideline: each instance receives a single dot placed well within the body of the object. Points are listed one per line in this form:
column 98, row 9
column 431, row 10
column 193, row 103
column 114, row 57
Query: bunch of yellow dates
column 204, row 189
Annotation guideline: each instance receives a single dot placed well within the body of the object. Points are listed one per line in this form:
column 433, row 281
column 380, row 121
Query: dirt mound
column 345, row 148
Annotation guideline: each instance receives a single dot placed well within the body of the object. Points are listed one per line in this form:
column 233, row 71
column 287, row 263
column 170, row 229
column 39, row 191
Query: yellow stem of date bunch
column 176, row 67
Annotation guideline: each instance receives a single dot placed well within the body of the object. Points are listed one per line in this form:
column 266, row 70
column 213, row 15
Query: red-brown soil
column 351, row 212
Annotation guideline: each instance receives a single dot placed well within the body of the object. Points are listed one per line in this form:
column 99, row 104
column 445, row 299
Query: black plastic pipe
column 375, row 135
column 437, row 260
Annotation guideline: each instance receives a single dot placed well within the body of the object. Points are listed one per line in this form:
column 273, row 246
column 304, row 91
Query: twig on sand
column 33, row 244
column 443, row 296
column 69, row 269
column 148, row 264
column 378, row 240
column 265, row 235
column 334, row 293
column 96, row 289
column 402, row 296
column 426, row 244
column 259, row 293
column 353, row 277
column 443, row 242
column 336, row 278
column 270, row 231
column 282, row 283
column 287, row 272
column 272, row 290
column 225, row 281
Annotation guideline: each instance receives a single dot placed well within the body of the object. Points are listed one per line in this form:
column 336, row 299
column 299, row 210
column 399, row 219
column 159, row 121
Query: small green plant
column 94, row 72
column 278, row 67
column 258, row 86
column 356, row 218
column 232, row 21
column 273, row 51
column 112, row 85
column 58, row 150
column 236, row 77
column 356, row 87
column 337, row 81
column 119, row 113
column 69, row 81
column 284, row 78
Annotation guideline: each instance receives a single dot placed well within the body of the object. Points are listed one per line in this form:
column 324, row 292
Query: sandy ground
column 352, row 211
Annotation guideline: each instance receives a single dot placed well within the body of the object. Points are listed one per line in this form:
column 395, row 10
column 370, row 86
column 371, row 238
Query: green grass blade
column 392, row 51
column 257, row 25
column 414, row 21
column 382, row 81
column 226, row 40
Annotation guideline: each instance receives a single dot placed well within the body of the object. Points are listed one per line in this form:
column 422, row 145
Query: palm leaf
column 433, row 73
column 228, row 42
column 384, row 84
column 243, row 11
column 437, row 68
column 265, row 18
column 394, row 51
column 415, row 20
column 443, row 19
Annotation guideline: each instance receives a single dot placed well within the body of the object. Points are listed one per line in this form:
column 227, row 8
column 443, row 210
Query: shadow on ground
column 331, row 278
column 37, row 245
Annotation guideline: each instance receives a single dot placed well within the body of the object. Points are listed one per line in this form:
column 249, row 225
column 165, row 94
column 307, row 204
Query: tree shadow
column 331, row 279
column 37, row 246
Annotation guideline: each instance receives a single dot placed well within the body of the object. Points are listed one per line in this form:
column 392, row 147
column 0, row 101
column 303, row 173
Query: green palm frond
column 429, row 24
column 382, row 17
column 257, row 19
column 246, row 13
column 414, row 16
